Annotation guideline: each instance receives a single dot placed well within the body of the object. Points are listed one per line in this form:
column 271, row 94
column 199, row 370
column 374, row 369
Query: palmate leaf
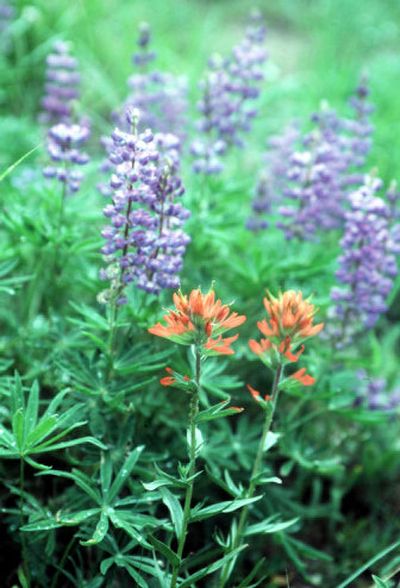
column 32, row 435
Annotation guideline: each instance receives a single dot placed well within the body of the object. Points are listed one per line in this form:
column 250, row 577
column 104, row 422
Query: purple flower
column 367, row 265
column 323, row 168
column 145, row 242
column 160, row 97
column 229, row 90
column 271, row 182
column 373, row 393
column 62, row 85
column 63, row 146
column 7, row 13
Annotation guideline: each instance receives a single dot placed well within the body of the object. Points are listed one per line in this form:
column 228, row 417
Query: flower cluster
column 373, row 394
column 226, row 107
column 367, row 265
column 63, row 146
column 290, row 322
column 160, row 97
column 64, row 137
column 323, row 169
column 62, row 85
column 199, row 319
column 271, row 183
column 144, row 240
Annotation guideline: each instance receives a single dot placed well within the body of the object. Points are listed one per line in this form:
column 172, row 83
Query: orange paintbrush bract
column 289, row 316
column 290, row 321
column 302, row 377
column 200, row 319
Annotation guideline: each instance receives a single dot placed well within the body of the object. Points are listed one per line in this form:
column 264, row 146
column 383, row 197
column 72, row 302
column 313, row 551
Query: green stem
column 227, row 569
column 24, row 558
column 193, row 411
column 62, row 562
column 111, row 338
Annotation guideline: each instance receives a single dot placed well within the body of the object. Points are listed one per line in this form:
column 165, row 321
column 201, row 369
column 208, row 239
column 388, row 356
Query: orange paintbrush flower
column 302, row 377
column 289, row 316
column 199, row 319
column 290, row 321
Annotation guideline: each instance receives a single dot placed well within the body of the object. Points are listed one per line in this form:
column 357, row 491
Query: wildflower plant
column 290, row 322
column 199, row 321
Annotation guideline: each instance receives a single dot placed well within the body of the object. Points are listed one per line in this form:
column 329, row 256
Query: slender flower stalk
column 289, row 323
column 199, row 321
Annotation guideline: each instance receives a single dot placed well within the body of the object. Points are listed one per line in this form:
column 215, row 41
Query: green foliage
column 93, row 450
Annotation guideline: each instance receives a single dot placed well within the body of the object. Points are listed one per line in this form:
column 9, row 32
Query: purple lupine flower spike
column 160, row 97
column 271, row 182
column 229, row 90
column 62, row 85
column 63, row 145
column 145, row 243
column 324, row 168
column 64, row 138
column 374, row 395
column 367, row 266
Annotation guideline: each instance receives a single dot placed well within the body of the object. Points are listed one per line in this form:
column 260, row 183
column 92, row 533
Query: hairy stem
column 193, row 411
column 257, row 465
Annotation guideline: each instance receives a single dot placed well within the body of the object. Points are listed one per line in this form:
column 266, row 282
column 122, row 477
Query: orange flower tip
column 302, row 377
column 167, row 381
column 168, row 370
column 267, row 397
column 255, row 393
column 237, row 408
column 186, row 378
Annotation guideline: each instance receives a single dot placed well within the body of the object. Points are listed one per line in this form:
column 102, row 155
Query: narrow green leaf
column 369, row 563
column 269, row 526
column 44, row 428
column 72, row 443
column 80, row 480
column 32, row 409
column 221, row 507
column 16, row 163
column 150, row 486
column 124, row 472
column 100, row 531
column 175, row 509
column 105, row 473
column 190, row 580
column 379, row 582
column 18, row 427
column 35, row 464
column 58, row 436
column 164, row 550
